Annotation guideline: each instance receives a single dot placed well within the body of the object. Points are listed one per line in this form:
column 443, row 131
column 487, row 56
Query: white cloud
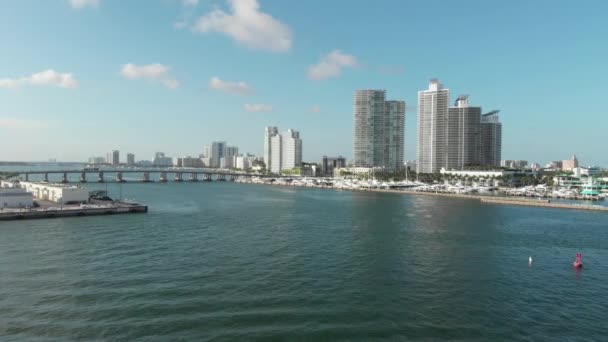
column 78, row 4
column 47, row 77
column 258, row 108
column 239, row 88
column 190, row 2
column 247, row 25
column 15, row 123
column 151, row 72
column 315, row 109
column 331, row 65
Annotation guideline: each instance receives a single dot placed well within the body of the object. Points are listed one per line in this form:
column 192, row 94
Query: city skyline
column 194, row 83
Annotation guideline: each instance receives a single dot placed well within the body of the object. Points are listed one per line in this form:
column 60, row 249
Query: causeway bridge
column 142, row 175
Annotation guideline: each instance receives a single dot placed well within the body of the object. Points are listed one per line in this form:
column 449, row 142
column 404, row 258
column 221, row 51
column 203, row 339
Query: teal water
column 225, row 261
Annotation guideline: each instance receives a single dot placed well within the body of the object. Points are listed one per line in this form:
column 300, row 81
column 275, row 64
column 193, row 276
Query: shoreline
column 490, row 200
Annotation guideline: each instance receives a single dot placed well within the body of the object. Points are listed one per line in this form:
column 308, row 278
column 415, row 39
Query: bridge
column 164, row 175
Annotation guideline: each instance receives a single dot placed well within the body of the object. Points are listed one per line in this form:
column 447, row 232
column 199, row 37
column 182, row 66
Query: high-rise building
column 379, row 130
column 394, row 132
column 464, row 138
column 491, row 139
column 130, row 159
column 218, row 151
column 276, row 155
column 115, row 157
column 291, row 150
column 282, row 151
column 269, row 132
column 432, row 133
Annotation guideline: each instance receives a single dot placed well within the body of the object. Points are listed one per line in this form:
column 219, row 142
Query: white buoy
column 530, row 260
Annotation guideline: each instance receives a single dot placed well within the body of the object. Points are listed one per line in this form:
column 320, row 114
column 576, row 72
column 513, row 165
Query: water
column 225, row 261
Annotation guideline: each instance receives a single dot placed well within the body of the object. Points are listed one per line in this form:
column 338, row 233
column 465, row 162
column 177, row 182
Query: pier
column 90, row 209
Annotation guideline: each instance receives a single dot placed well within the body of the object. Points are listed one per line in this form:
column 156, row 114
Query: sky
column 79, row 78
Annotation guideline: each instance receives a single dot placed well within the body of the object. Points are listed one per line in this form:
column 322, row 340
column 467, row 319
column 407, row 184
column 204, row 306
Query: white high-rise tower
column 432, row 128
column 269, row 133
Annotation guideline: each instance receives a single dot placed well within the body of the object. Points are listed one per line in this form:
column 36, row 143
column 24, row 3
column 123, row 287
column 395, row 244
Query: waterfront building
column 432, row 132
column 379, row 130
column 328, row 164
column 269, row 133
column 310, row 170
column 514, row 164
column 13, row 195
column 115, row 157
column 464, row 137
column 568, row 165
column 291, row 149
column 58, row 193
column 130, row 159
column 276, row 156
column 282, row 151
column 587, row 171
column 218, row 151
column 161, row 160
column 410, row 164
column 491, row 139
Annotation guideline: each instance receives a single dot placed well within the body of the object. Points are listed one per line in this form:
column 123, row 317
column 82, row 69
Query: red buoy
column 578, row 262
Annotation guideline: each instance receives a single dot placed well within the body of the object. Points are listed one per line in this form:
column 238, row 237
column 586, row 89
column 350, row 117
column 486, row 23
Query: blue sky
column 82, row 77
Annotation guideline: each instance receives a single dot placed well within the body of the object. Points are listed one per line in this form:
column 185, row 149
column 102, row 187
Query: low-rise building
column 514, row 164
column 328, row 164
column 586, row 171
column 59, row 193
column 12, row 195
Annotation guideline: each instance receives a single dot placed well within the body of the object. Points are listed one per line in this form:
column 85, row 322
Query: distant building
column 586, row 171
column 432, row 128
column 269, row 133
column 463, row 135
column 554, row 165
column 245, row 161
column 491, row 139
column 535, row 166
column 379, row 130
column 291, row 150
column 276, row 155
column 282, row 151
column 328, row 164
column 206, row 152
column 115, row 157
column 514, row 164
column 130, row 159
column 97, row 160
column 310, row 170
column 161, row 160
column 190, row 162
column 218, row 151
column 568, row 165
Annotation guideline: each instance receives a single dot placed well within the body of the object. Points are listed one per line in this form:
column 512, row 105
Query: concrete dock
column 91, row 209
